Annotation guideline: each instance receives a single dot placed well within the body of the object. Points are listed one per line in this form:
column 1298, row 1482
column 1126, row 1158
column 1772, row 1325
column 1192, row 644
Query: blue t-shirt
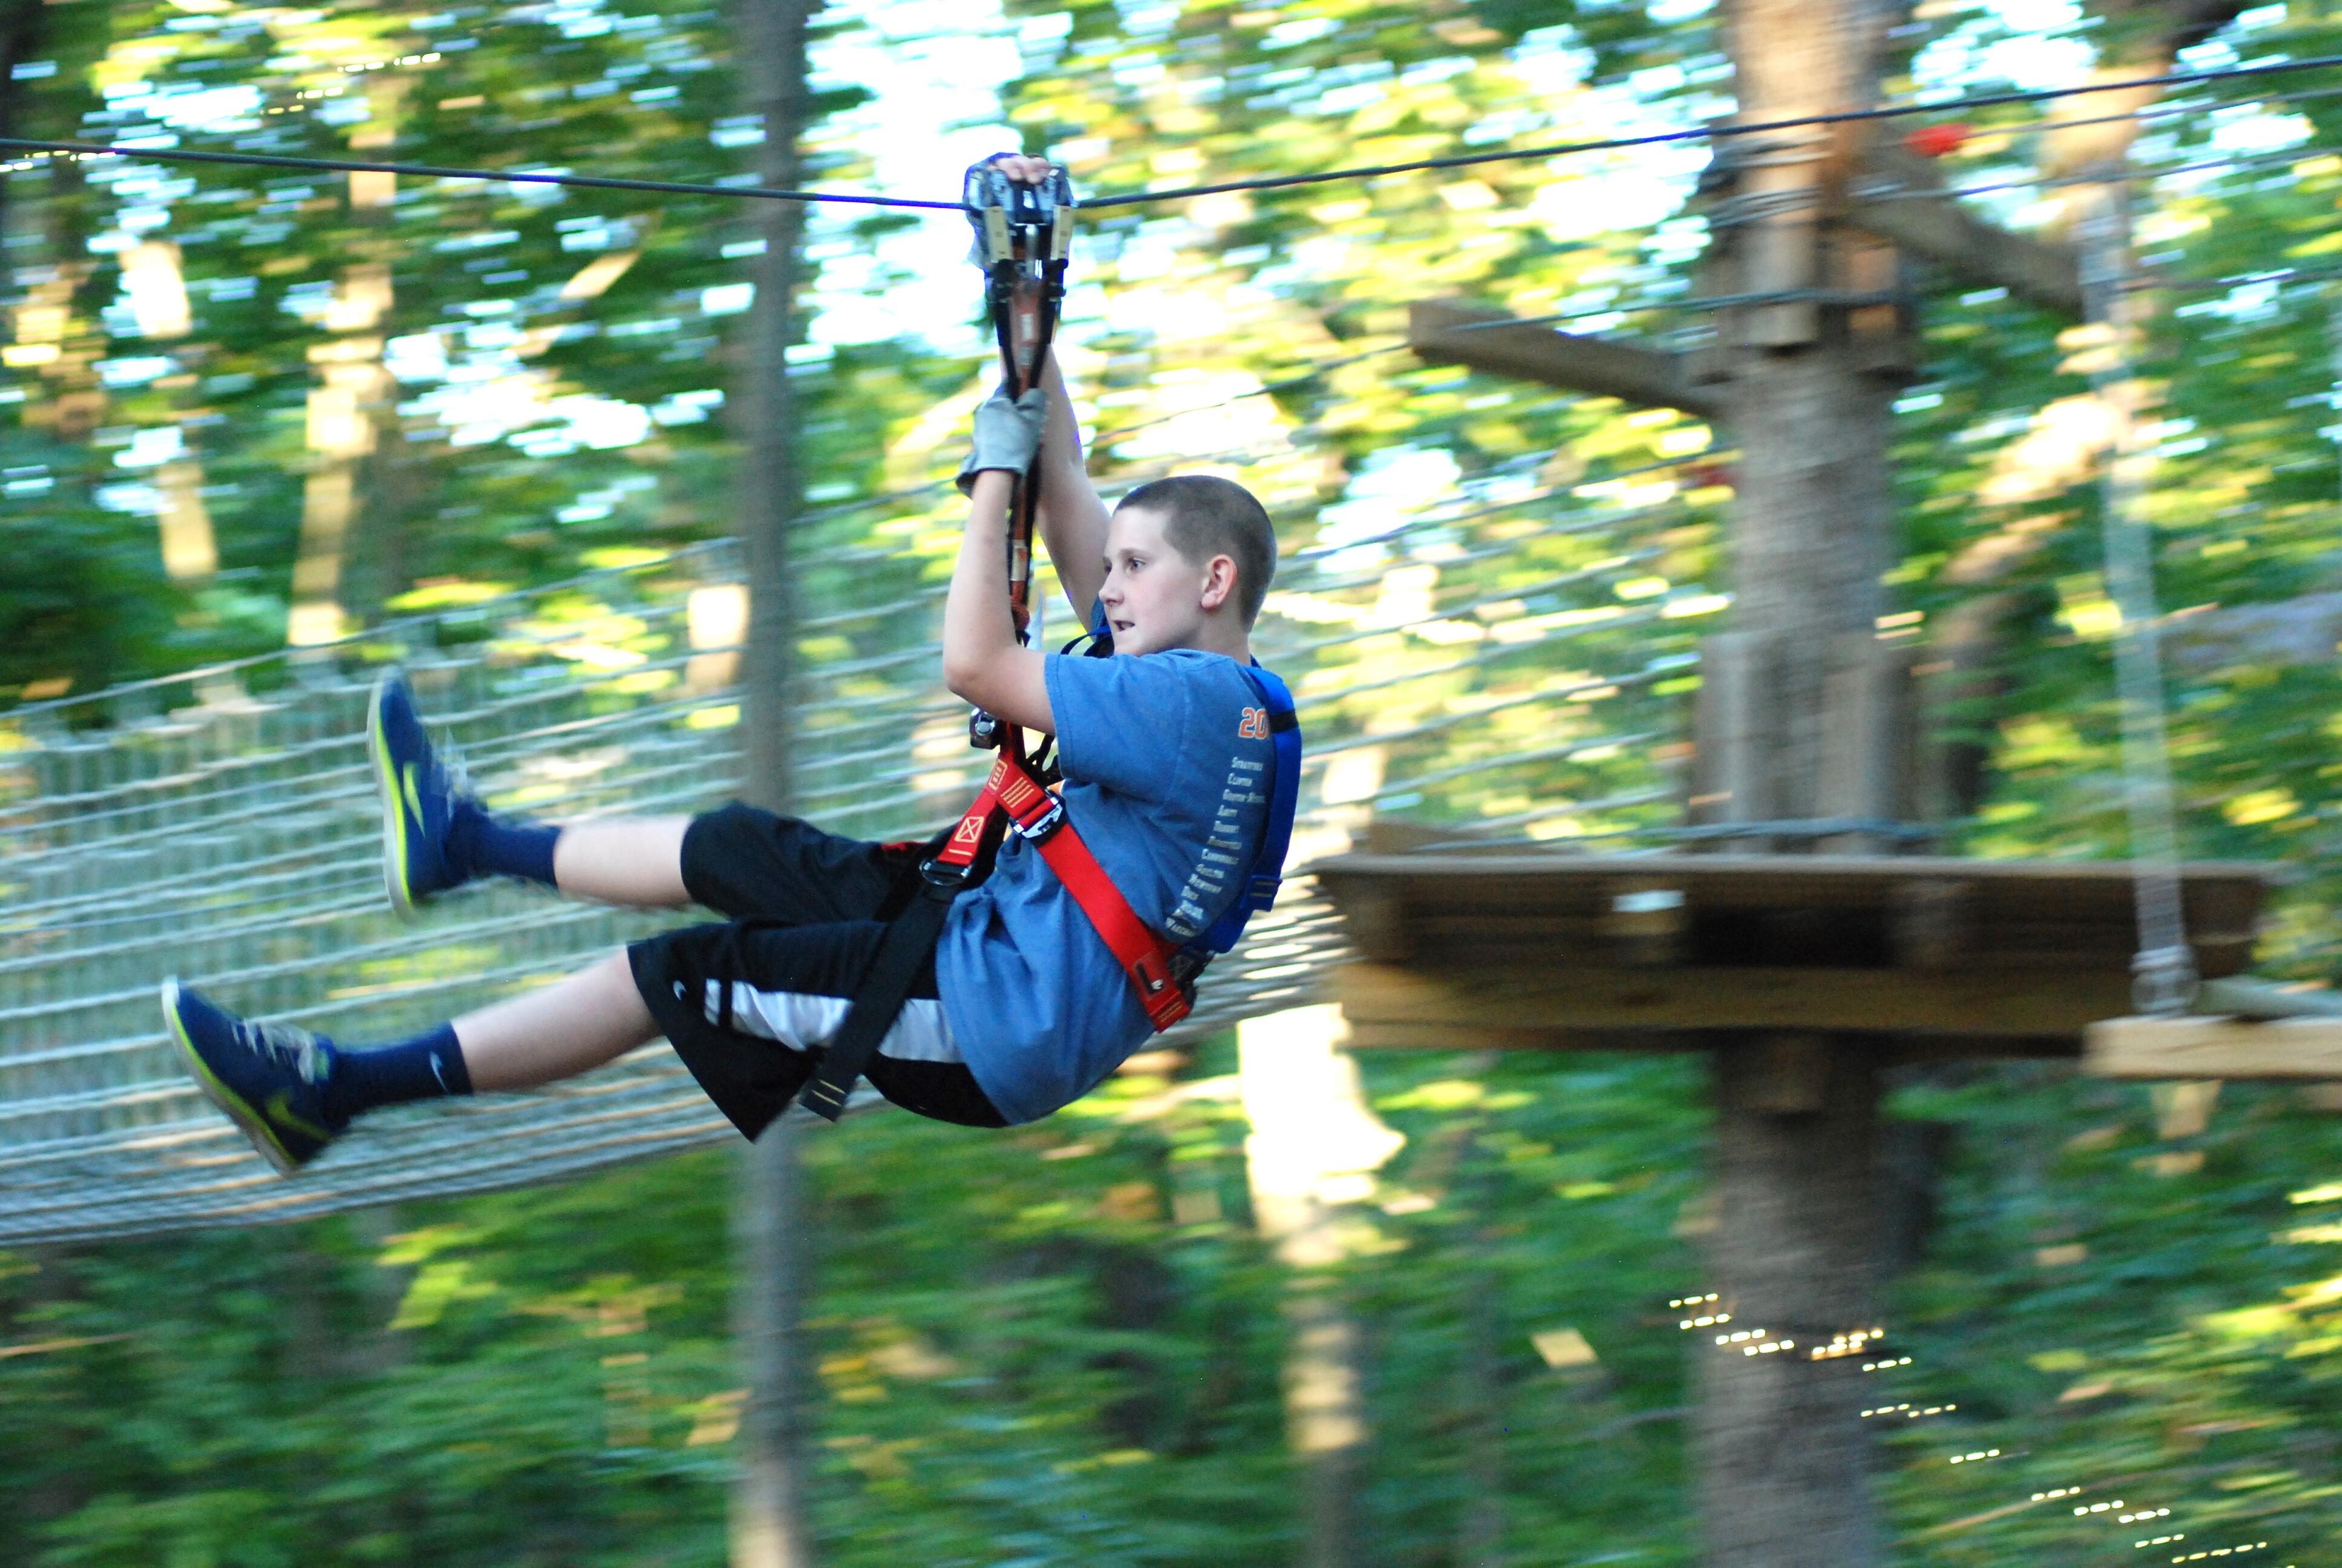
column 1167, row 760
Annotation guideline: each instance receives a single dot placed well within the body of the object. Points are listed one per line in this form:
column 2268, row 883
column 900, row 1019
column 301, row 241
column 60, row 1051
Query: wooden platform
column 1555, row 951
column 2294, row 1048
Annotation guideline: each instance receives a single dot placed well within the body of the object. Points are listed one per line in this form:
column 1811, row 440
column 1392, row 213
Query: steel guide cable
column 1725, row 131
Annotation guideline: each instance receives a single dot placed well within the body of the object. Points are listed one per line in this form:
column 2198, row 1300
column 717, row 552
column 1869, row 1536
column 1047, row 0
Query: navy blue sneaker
column 418, row 798
column 268, row 1077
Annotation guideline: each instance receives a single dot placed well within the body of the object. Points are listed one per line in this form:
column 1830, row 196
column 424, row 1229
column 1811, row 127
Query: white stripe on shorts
column 800, row 1020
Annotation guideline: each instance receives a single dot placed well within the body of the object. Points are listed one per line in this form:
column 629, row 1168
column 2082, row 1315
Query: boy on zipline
column 1040, row 981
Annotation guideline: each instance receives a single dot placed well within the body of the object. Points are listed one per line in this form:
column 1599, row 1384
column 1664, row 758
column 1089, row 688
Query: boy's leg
column 746, row 864
column 746, row 1007
column 292, row 1092
column 436, row 836
column 634, row 860
column 572, row 1026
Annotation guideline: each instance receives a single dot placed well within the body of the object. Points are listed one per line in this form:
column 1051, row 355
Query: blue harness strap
column 1268, row 874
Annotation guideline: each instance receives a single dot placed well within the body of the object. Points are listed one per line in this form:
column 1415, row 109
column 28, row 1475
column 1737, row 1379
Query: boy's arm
column 983, row 662
column 1072, row 517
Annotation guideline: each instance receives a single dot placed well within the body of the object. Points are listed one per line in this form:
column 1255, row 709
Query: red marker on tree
column 1936, row 141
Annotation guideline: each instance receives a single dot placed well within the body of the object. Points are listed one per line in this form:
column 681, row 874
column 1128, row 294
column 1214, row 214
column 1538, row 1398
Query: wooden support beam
column 1821, row 916
column 2296, row 1048
column 1786, row 1074
column 1732, row 731
column 1445, row 332
column 1495, row 1008
column 1450, row 1035
column 1900, row 196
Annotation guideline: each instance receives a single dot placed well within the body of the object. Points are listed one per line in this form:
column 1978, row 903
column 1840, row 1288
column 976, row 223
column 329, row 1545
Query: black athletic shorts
column 806, row 910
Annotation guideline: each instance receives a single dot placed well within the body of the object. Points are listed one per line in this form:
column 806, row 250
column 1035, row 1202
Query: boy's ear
column 1219, row 582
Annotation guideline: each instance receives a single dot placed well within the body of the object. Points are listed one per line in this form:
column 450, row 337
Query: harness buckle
column 1165, row 997
column 940, row 878
column 1043, row 826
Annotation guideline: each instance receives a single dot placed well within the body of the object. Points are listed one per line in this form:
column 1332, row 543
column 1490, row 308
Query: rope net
column 221, row 824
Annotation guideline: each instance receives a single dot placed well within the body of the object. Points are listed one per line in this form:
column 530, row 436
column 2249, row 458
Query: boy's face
column 1153, row 597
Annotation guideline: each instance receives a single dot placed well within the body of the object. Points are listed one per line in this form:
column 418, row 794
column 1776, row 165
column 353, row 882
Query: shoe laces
column 447, row 775
column 291, row 1047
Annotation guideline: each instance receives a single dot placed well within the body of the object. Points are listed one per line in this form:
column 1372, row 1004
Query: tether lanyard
column 1025, row 234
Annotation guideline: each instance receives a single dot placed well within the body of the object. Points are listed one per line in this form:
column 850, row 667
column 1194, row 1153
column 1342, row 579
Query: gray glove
column 1007, row 435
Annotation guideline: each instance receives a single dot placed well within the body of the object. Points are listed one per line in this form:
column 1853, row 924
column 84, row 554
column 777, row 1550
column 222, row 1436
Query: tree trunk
column 1782, row 1461
column 24, row 27
column 1783, row 1470
column 1314, row 1142
column 1480, row 1524
column 769, row 1526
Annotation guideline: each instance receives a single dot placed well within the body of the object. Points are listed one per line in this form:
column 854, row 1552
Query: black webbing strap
column 910, row 940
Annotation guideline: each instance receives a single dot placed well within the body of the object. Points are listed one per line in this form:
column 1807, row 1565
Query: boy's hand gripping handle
column 1024, row 235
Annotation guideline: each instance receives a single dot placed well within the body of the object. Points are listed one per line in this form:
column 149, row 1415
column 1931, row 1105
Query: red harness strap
column 1146, row 954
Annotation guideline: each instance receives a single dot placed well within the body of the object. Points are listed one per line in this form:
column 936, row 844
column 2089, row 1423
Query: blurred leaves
column 1062, row 1344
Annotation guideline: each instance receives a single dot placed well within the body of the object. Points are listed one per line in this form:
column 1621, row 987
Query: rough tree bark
column 770, row 1525
column 1783, row 1461
column 1800, row 715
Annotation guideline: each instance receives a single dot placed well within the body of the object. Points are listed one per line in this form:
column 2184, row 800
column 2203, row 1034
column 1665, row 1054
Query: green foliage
column 2142, row 1317
column 1064, row 1344
column 1056, row 1346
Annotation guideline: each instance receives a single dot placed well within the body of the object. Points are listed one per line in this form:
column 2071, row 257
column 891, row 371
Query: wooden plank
column 1867, row 699
column 1886, row 939
column 1443, row 332
column 1848, row 870
column 1452, row 1037
column 1895, row 1051
column 2051, row 1005
column 1376, row 918
column 1490, row 910
column 1932, row 924
column 1732, row 732
column 1885, row 337
column 1985, row 936
column 1900, row 197
column 2294, row 1048
column 2221, row 896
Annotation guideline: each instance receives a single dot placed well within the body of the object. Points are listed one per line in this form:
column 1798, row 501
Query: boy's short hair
column 1205, row 515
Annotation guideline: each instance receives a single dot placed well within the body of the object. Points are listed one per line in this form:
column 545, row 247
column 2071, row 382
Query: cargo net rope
column 1506, row 657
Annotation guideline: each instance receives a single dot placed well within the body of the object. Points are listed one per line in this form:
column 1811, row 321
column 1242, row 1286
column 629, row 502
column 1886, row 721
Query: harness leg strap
column 911, row 937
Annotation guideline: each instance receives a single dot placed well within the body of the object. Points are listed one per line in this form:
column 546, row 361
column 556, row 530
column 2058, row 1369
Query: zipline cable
column 1719, row 132
column 1180, row 192
column 449, row 172
column 2147, row 115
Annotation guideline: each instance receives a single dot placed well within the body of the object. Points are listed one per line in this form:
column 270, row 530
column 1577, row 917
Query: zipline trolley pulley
column 1023, row 234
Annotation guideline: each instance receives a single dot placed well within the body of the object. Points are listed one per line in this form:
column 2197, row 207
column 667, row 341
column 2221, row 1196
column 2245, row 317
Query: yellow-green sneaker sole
column 250, row 1122
column 394, row 814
